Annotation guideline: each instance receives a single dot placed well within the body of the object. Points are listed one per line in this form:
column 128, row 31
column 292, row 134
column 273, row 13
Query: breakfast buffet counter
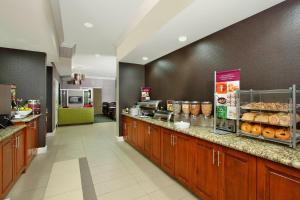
column 274, row 152
column 9, row 131
column 26, row 119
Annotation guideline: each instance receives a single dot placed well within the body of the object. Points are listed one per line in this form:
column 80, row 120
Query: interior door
column 167, row 151
column 97, row 100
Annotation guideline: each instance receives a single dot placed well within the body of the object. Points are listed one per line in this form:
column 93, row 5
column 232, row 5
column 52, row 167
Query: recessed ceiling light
column 88, row 25
column 145, row 58
column 182, row 38
column 97, row 55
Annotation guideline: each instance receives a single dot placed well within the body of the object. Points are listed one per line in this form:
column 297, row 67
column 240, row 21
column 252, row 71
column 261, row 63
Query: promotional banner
column 227, row 83
column 145, row 93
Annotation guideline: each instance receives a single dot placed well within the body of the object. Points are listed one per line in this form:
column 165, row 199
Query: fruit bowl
column 23, row 112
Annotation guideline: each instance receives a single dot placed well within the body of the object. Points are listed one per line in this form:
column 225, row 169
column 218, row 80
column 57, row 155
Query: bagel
column 246, row 127
column 282, row 134
column 256, row 129
column 268, row 132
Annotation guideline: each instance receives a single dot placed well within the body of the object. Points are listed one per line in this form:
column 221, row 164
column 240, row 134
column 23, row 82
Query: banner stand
column 226, row 86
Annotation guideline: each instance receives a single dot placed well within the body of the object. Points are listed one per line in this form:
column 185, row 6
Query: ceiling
column 110, row 19
column 141, row 27
column 28, row 25
column 92, row 66
column 201, row 18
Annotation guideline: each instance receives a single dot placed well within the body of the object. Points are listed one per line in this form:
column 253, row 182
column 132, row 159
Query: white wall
column 108, row 87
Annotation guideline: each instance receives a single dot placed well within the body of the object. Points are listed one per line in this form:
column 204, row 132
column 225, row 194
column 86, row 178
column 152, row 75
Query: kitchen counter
column 26, row 119
column 274, row 152
column 5, row 133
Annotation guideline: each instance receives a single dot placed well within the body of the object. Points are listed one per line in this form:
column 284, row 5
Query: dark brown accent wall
column 266, row 47
column 26, row 69
column 131, row 79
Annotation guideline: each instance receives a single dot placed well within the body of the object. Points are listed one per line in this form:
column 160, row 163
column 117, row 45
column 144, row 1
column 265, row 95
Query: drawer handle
column 218, row 158
column 213, row 158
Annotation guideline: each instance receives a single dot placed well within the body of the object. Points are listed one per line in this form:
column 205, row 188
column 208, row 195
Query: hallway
column 117, row 170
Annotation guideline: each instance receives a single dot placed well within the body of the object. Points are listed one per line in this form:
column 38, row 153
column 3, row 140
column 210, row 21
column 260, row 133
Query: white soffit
column 198, row 20
column 159, row 15
column 28, row 25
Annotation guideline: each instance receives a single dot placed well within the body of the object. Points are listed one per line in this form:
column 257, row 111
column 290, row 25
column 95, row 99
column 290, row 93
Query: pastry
column 246, row 127
column 282, row 134
column 249, row 116
column 256, row 129
column 284, row 119
column 268, row 132
column 274, row 119
column 263, row 118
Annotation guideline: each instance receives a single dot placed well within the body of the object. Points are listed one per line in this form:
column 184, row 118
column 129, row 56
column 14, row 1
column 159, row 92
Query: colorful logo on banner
column 227, row 85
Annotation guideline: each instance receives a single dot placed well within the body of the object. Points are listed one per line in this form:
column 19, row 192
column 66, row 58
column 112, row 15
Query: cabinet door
column 20, row 153
column 155, row 144
column 129, row 130
column 134, row 133
column 8, row 164
column 141, row 135
column 28, row 146
column 205, row 173
column 183, row 158
column 167, row 151
column 124, row 128
column 35, row 133
column 237, row 175
column 277, row 182
column 147, row 149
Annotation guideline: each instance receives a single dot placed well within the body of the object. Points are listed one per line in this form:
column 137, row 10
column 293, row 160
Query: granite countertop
column 26, row 119
column 270, row 151
column 5, row 133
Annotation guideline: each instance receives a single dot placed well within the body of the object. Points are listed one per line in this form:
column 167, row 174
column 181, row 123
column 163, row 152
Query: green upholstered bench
column 70, row 116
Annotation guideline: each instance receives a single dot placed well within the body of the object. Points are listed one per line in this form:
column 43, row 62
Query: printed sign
column 227, row 85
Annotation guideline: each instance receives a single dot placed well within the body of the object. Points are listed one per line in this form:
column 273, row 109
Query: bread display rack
column 271, row 115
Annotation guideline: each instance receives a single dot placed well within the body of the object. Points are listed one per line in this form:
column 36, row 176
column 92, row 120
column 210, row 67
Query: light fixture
column 145, row 58
column 88, row 25
column 182, row 38
column 97, row 55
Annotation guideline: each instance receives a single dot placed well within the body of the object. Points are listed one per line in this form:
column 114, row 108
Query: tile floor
column 118, row 171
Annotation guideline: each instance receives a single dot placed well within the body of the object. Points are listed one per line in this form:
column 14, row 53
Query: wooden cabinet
column 155, row 136
column 211, row 171
column 205, row 173
column 141, row 132
column 237, row 175
column 152, row 143
column 167, row 151
column 8, row 156
column 147, row 142
column 222, row 173
column 277, row 182
column 126, row 126
column 183, row 158
column 19, row 153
